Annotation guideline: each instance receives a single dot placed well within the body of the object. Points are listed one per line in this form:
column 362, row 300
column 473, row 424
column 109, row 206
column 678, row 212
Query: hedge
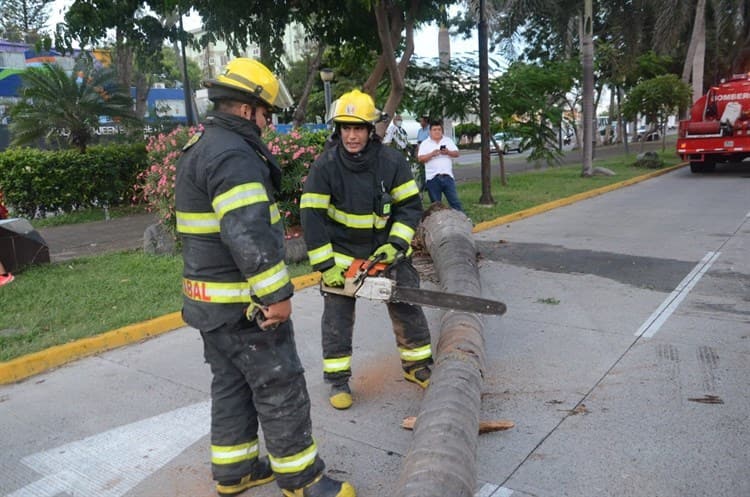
column 35, row 182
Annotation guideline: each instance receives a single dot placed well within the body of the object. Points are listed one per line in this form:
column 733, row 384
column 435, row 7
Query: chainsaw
column 365, row 278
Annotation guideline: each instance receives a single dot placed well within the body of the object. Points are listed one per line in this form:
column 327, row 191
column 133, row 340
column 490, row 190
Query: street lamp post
column 189, row 116
column 327, row 76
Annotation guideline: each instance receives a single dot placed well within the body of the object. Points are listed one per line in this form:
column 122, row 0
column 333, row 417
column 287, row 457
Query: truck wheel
column 702, row 166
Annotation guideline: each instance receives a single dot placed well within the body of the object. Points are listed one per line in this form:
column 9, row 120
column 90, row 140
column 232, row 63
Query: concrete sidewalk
column 79, row 240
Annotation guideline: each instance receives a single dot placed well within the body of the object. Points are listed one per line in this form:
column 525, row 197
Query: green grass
column 528, row 189
column 58, row 303
column 54, row 304
column 87, row 216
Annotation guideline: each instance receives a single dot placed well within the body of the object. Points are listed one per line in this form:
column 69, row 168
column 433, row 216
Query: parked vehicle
column 718, row 129
column 506, row 142
column 649, row 136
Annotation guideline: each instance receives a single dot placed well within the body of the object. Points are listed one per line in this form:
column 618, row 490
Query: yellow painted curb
column 38, row 362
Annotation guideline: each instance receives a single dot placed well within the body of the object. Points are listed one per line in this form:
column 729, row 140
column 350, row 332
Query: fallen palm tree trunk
column 442, row 459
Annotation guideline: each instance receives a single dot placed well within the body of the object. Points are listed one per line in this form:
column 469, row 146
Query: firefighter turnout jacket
column 232, row 234
column 352, row 204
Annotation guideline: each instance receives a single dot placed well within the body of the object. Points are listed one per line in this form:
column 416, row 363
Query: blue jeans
column 443, row 184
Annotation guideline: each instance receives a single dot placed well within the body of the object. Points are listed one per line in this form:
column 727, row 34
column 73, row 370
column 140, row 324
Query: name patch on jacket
column 195, row 290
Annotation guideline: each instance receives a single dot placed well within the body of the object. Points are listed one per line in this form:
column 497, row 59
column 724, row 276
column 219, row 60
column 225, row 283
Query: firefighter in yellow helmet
column 237, row 292
column 360, row 200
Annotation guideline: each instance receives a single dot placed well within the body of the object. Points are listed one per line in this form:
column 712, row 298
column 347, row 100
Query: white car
column 653, row 136
column 507, row 142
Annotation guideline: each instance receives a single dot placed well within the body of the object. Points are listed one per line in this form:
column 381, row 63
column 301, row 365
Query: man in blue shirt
column 424, row 131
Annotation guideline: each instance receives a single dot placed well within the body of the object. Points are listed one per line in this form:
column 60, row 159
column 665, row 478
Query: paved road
column 623, row 360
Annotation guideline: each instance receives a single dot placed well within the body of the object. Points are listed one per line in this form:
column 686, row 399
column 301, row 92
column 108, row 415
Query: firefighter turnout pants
column 258, row 377
column 409, row 327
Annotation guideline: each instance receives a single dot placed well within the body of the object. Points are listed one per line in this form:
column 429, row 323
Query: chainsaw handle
column 372, row 261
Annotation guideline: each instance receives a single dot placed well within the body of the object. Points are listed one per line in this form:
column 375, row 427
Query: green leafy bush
column 295, row 151
column 36, row 182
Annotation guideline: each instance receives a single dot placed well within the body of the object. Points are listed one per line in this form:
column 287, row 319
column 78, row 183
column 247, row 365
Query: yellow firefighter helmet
column 355, row 107
column 247, row 80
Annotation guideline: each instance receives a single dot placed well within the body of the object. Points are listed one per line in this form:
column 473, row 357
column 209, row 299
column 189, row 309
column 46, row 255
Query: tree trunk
column 312, row 74
column 699, row 32
column 442, row 459
column 587, row 49
column 391, row 21
column 622, row 124
column 484, row 108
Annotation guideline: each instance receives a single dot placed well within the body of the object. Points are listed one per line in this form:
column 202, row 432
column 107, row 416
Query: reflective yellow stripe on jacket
column 231, row 454
column 405, row 191
column 343, row 259
column 357, row 221
column 202, row 223
column 239, row 196
column 401, row 230
column 296, row 462
column 314, row 201
column 215, row 292
column 197, row 223
column 320, row 254
column 270, row 280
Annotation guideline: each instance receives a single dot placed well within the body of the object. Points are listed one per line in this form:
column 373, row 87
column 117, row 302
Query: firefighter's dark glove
column 389, row 252
column 334, row 276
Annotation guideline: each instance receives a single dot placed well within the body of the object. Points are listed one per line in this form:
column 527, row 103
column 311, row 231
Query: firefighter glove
column 334, row 276
column 389, row 250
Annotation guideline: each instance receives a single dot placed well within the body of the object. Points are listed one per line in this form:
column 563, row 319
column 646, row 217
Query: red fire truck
column 718, row 129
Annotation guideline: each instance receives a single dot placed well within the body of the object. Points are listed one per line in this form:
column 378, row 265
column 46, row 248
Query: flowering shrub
column 295, row 153
column 3, row 209
column 155, row 185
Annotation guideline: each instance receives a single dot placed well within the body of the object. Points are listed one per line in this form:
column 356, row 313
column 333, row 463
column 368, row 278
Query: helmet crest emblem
column 351, row 109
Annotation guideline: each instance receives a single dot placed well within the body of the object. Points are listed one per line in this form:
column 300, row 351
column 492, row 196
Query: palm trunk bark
column 442, row 459
column 587, row 54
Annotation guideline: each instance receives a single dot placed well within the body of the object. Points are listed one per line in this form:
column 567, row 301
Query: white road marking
column 490, row 490
column 655, row 321
column 110, row 464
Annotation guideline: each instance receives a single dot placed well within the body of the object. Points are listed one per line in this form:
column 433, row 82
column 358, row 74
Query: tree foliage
column 657, row 98
column 24, row 20
column 531, row 97
column 65, row 108
column 172, row 70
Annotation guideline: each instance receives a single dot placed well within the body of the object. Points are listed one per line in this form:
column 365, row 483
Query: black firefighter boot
column 260, row 475
column 323, row 486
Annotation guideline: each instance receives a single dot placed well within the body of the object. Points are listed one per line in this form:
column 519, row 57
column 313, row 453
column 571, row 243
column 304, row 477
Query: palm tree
column 66, row 106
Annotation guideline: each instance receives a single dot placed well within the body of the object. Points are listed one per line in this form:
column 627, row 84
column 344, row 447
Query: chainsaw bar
column 442, row 300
